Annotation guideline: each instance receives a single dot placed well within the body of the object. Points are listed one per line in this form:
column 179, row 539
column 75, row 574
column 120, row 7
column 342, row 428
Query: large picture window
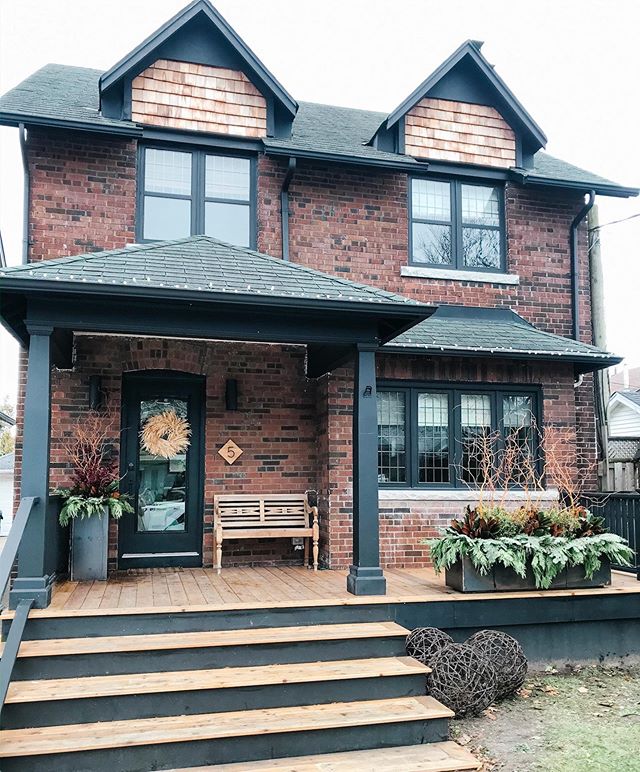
column 184, row 193
column 456, row 225
column 448, row 437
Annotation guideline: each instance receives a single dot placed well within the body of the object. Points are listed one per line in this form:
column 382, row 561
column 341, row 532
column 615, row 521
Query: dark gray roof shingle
column 61, row 93
column 632, row 396
column 201, row 264
column 458, row 330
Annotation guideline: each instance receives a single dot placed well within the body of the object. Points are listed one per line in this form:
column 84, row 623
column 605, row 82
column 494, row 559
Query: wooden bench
column 245, row 516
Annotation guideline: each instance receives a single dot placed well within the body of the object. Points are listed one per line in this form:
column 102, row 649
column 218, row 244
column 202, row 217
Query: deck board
column 142, row 590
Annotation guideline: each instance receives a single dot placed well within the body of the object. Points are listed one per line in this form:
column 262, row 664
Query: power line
column 614, row 222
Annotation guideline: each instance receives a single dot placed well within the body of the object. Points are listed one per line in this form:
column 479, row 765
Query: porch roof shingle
column 200, row 265
column 459, row 331
column 67, row 96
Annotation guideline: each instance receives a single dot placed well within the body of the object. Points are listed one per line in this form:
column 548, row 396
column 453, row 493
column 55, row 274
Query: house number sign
column 230, row 452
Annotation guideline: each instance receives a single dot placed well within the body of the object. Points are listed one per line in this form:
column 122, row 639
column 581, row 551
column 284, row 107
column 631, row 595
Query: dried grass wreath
column 165, row 434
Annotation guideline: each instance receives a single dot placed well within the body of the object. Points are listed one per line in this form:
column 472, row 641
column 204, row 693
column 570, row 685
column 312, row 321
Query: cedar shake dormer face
column 198, row 97
column 459, row 132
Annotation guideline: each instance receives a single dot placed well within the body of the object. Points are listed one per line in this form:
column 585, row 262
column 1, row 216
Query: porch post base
column 366, row 581
column 36, row 588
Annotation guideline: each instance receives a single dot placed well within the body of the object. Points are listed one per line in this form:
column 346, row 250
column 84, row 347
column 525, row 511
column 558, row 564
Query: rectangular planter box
column 89, row 543
column 462, row 576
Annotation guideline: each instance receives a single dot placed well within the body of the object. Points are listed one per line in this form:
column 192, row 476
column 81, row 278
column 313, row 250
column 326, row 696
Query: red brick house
column 336, row 304
column 449, row 201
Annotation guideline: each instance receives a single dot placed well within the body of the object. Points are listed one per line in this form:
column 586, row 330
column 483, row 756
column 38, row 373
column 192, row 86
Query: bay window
column 449, row 437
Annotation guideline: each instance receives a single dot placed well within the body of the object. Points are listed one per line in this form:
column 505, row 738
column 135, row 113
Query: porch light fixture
column 368, row 391
column 231, row 394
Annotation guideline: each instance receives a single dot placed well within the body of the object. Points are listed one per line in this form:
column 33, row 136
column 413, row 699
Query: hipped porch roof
column 499, row 332
column 204, row 288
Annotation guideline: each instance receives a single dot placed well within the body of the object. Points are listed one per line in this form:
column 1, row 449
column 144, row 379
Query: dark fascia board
column 602, row 189
column 15, row 119
column 126, row 64
column 582, row 364
column 82, row 289
column 472, row 49
column 345, row 158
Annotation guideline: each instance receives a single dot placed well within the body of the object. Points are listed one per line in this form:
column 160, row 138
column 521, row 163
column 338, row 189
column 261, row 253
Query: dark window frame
column 457, row 226
column 496, row 393
column 198, row 197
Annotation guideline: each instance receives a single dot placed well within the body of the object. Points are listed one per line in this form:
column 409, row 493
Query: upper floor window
column 447, row 437
column 184, row 193
column 455, row 224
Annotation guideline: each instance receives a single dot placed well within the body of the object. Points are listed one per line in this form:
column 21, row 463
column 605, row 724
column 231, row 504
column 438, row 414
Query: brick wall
column 197, row 97
column 460, row 132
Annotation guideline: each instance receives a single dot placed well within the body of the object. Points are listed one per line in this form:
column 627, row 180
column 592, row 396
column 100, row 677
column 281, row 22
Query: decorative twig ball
column 462, row 679
column 506, row 656
column 423, row 642
column 165, row 434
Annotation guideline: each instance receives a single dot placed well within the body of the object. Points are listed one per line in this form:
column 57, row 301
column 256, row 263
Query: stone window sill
column 430, row 494
column 453, row 274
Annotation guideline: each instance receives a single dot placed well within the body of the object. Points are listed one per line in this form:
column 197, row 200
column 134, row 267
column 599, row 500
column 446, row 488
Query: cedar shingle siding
column 197, row 97
column 459, row 132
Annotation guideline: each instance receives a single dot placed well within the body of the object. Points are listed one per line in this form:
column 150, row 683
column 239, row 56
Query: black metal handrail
column 10, row 551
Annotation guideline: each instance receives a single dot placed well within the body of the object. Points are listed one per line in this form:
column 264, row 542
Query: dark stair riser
column 237, row 749
column 18, row 716
column 78, row 665
column 39, row 628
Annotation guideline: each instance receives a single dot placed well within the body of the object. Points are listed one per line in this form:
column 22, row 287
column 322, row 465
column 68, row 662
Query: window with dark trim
column 456, row 225
column 436, row 436
column 188, row 192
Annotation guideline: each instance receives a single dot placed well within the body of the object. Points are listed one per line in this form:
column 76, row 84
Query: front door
column 166, row 492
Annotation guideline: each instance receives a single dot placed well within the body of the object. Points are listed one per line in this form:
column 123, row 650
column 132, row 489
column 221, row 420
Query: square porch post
column 32, row 580
column 365, row 575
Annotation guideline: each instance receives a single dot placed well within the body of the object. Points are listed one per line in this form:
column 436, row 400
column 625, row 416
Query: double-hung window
column 450, row 437
column 189, row 192
column 456, row 225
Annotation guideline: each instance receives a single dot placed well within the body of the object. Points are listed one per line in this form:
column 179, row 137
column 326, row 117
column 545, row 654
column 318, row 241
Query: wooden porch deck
column 272, row 587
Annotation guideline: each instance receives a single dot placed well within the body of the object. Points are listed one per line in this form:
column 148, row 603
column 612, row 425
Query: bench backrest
column 288, row 510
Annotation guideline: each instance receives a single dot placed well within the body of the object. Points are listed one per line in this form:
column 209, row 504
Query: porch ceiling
column 201, row 287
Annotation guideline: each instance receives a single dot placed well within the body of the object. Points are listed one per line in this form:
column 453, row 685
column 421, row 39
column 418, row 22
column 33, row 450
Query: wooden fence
column 621, row 512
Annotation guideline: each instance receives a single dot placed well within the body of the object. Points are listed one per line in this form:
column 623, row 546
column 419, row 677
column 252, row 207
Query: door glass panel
column 162, row 482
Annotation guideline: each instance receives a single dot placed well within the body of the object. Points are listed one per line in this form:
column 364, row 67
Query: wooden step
column 17, row 743
column 220, row 678
column 55, row 647
column 433, row 757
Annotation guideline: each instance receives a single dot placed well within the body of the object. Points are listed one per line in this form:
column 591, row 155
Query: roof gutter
column 284, row 207
column 26, row 185
column 575, row 265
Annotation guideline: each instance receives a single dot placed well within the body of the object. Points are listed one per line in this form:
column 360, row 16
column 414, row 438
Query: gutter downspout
column 25, row 193
column 284, row 208
column 575, row 272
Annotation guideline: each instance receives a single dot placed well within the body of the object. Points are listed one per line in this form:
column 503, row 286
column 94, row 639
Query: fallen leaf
column 464, row 739
column 583, row 690
column 524, row 693
column 550, row 690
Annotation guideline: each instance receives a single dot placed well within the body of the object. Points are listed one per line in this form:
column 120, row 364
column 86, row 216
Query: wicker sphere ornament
column 424, row 642
column 462, row 679
column 506, row 656
column 165, row 434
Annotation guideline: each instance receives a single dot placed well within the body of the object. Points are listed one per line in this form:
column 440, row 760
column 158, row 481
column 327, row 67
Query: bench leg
column 218, row 544
column 315, row 553
column 306, row 552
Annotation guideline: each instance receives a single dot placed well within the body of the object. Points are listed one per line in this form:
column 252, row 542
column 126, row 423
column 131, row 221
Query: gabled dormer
column 463, row 113
column 195, row 74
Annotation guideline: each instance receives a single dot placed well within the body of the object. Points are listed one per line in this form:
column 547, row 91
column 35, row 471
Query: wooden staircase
column 201, row 691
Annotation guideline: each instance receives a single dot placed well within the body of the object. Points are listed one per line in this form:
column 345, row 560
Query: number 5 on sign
column 230, row 452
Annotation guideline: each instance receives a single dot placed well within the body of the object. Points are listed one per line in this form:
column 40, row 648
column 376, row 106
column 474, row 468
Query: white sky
column 573, row 64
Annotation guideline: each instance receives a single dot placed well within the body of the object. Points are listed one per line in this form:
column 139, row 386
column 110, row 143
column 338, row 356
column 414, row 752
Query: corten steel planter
column 464, row 577
column 89, row 543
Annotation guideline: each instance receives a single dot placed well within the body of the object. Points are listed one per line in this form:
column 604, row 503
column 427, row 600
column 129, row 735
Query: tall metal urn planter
column 89, row 546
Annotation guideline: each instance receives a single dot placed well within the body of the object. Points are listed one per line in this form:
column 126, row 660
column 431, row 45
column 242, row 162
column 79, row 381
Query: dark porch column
column 33, row 581
column 365, row 575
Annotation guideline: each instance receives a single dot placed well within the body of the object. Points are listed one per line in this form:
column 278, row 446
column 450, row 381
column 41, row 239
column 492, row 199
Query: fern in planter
column 77, row 504
column 585, row 544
